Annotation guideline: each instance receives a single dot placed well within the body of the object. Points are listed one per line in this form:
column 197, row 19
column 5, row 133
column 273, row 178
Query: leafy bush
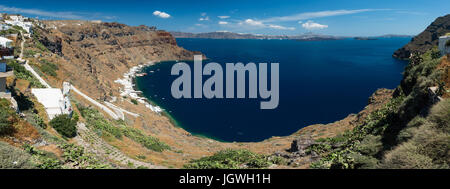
column 64, row 125
column 42, row 159
column 76, row 155
column 21, row 73
column 134, row 101
column 231, row 159
column 73, row 157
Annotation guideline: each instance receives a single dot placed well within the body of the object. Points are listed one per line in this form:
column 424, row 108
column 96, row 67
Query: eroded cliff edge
column 425, row 40
column 96, row 54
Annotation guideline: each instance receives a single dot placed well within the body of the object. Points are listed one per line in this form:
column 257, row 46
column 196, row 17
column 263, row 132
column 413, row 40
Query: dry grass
column 22, row 85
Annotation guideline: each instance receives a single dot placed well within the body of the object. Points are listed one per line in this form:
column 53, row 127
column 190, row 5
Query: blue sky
column 345, row 18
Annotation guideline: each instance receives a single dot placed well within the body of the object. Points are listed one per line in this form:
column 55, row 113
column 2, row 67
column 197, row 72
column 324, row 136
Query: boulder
column 300, row 145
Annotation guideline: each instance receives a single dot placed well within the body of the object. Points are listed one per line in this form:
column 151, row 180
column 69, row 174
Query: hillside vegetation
column 406, row 133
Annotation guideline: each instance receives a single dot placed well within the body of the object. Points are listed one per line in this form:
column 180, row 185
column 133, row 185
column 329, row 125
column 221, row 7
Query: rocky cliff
column 425, row 40
column 95, row 54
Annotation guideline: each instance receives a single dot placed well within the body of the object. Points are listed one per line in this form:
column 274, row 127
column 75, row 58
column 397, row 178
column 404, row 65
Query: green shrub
column 370, row 145
column 64, row 125
column 364, row 161
column 49, row 163
column 75, row 155
column 134, row 101
column 406, row 156
column 230, row 159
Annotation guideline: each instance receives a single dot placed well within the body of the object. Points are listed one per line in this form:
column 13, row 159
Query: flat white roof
column 3, row 39
column 50, row 98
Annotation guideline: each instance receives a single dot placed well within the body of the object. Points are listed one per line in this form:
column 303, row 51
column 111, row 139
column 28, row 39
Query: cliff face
column 425, row 40
column 95, row 54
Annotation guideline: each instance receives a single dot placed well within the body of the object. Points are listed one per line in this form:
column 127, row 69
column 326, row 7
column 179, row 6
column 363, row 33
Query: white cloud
column 204, row 18
column 161, row 14
column 222, row 22
column 252, row 22
column 310, row 25
column 260, row 24
column 278, row 27
column 65, row 15
column 223, row 17
column 309, row 15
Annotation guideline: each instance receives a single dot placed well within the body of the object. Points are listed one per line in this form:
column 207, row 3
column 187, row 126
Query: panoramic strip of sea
column 320, row 82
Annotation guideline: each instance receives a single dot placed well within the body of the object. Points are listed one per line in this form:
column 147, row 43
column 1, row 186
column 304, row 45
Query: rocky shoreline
column 128, row 90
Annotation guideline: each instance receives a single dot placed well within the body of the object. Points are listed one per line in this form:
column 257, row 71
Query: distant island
column 231, row 35
column 365, row 38
column 301, row 37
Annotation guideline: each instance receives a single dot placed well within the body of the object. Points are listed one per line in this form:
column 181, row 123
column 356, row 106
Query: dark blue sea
column 320, row 82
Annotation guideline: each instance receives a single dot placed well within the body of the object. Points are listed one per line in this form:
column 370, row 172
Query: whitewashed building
column 5, row 43
column 53, row 101
column 27, row 26
column 444, row 44
column 4, row 26
column 18, row 18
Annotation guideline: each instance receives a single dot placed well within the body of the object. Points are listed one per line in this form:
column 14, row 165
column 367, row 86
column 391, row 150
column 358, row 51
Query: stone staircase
column 94, row 144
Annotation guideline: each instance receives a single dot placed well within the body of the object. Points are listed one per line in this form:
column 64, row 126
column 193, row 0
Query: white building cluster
column 18, row 20
column 5, row 43
column 128, row 87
